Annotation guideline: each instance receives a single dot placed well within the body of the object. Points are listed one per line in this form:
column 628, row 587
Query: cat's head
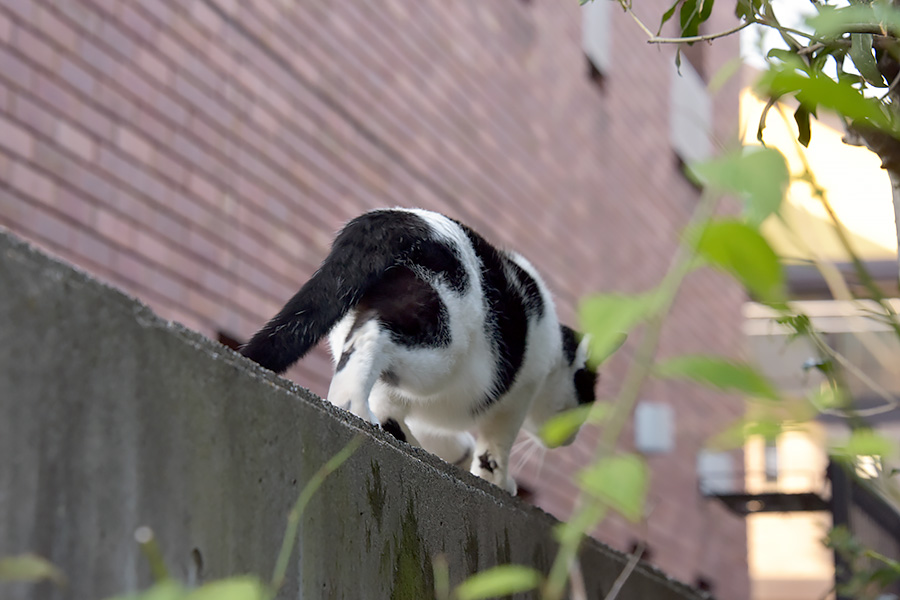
column 570, row 383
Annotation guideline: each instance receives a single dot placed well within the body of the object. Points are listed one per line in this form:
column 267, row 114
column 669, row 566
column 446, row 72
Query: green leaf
column 747, row 9
column 690, row 17
column 706, row 10
column 29, row 568
column 581, row 521
column 719, row 373
column 693, row 14
column 831, row 22
column 740, row 250
column 865, row 442
column 667, row 15
column 164, row 590
column 736, row 435
column 501, row 580
column 759, row 176
column 799, row 324
column 621, row 481
column 801, row 116
column 827, row 397
column 234, row 588
column 563, row 426
column 608, row 318
column 862, row 55
column 890, row 563
column 786, row 56
column 816, row 89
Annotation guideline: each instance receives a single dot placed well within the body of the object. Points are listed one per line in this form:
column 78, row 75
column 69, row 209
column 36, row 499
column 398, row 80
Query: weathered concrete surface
column 111, row 419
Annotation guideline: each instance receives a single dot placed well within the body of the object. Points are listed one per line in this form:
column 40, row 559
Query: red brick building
column 200, row 154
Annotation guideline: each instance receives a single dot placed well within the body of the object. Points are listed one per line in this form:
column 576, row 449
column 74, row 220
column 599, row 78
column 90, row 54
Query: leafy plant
column 863, row 34
column 860, row 43
column 29, row 568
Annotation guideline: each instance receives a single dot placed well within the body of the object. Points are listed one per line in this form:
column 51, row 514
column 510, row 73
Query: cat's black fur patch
column 569, row 343
column 487, row 463
column 408, row 307
column 534, row 304
column 436, row 257
column 506, row 315
column 345, row 358
column 585, row 379
column 585, row 382
column 393, row 428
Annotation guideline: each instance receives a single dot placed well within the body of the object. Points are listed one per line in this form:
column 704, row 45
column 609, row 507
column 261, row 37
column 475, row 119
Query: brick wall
column 200, row 154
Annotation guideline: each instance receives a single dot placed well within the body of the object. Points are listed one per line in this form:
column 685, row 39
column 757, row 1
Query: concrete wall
column 111, row 418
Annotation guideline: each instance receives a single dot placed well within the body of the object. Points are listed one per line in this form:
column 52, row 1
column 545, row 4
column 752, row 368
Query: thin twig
column 890, row 403
column 762, row 119
column 699, row 38
column 891, row 87
column 780, row 27
column 578, row 589
column 637, row 19
column 147, row 540
column 626, row 573
column 811, row 49
column 655, row 39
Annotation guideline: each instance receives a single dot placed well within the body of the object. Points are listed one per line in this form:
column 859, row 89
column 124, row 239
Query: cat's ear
column 583, row 351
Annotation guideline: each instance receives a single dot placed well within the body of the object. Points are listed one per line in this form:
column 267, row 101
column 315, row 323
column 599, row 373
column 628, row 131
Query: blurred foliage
column 29, row 568
column 865, row 573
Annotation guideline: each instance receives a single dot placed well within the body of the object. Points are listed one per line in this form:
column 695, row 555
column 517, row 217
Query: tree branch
column 895, row 195
column 698, row 38
column 655, row 39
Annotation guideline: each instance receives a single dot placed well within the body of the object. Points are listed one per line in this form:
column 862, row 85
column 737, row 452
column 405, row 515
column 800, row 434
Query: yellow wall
column 857, row 187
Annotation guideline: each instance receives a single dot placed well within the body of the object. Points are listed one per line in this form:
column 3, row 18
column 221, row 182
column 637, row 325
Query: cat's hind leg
column 390, row 412
column 364, row 357
column 455, row 447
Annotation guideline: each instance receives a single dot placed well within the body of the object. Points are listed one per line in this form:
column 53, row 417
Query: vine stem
column 314, row 483
column 625, row 574
column 589, row 512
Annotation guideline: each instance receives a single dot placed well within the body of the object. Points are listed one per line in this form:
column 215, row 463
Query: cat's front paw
column 360, row 409
column 488, row 468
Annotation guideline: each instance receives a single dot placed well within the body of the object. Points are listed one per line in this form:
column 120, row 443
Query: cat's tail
column 361, row 253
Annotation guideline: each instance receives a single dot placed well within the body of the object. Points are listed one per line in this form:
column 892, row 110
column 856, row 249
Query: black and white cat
column 435, row 334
